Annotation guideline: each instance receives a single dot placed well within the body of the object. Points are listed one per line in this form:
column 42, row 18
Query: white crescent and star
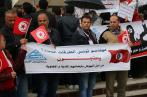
column 23, row 26
column 41, row 34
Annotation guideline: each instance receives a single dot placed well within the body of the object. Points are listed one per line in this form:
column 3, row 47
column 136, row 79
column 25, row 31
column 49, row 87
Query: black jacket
column 12, row 43
column 67, row 25
column 79, row 37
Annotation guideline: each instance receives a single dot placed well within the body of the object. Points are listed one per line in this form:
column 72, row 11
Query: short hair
column 69, row 9
column 86, row 15
column 130, row 27
column 27, row 7
column 92, row 12
column 56, row 10
column 43, row 4
column 45, row 13
column 11, row 11
column 118, row 18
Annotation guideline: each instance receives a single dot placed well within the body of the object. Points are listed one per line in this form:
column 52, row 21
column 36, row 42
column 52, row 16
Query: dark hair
column 27, row 7
column 92, row 12
column 86, row 15
column 128, row 27
column 11, row 11
column 56, row 10
column 69, row 9
column 43, row 4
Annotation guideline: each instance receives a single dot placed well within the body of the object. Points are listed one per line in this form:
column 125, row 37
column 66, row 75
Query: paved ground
column 62, row 89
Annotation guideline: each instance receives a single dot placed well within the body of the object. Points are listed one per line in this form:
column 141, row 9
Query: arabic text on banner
column 76, row 59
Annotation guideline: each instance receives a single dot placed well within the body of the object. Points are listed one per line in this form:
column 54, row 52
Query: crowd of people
column 64, row 29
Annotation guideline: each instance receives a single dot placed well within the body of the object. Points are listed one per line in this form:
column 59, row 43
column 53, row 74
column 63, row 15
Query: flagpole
column 28, row 28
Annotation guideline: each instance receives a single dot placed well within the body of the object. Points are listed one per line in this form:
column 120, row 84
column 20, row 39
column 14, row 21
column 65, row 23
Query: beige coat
column 110, row 37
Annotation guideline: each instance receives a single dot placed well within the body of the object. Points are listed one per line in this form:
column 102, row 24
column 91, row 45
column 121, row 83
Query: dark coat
column 79, row 37
column 12, row 43
column 67, row 25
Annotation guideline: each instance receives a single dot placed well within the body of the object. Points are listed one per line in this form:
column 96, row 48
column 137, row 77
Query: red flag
column 21, row 26
column 119, row 56
column 40, row 34
column 3, row 61
column 136, row 16
column 124, row 37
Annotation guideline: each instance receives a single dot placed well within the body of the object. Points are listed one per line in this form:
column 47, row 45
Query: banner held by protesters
column 42, row 58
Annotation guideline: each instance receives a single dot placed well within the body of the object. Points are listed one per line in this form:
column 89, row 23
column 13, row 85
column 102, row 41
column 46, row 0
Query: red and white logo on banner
column 21, row 26
column 40, row 34
column 119, row 56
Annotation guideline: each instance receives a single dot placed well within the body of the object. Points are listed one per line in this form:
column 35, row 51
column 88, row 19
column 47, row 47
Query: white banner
column 110, row 5
column 76, row 59
column 126, row 11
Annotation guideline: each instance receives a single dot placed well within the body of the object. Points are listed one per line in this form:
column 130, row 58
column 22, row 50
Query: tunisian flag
column 124, row 37
column 3, row 61
column 21, row 26
column 40, row 34
column 119, row 56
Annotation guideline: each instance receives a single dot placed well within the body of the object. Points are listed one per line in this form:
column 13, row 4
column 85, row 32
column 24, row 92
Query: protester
column 57, row 13
column 28, row 13
column 4, row 6
column 48, row 83
column 43, row 5
column 27, row 9
column 67, row 25
column 110, row 36
column 84, row 36
column 8, row 74
column 13, row 44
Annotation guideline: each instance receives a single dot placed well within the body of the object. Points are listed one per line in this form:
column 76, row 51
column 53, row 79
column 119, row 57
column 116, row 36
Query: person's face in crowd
column 2, row 42
column 114, row 22
column 85, row 23
column 10, row 19
column 43, row 20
